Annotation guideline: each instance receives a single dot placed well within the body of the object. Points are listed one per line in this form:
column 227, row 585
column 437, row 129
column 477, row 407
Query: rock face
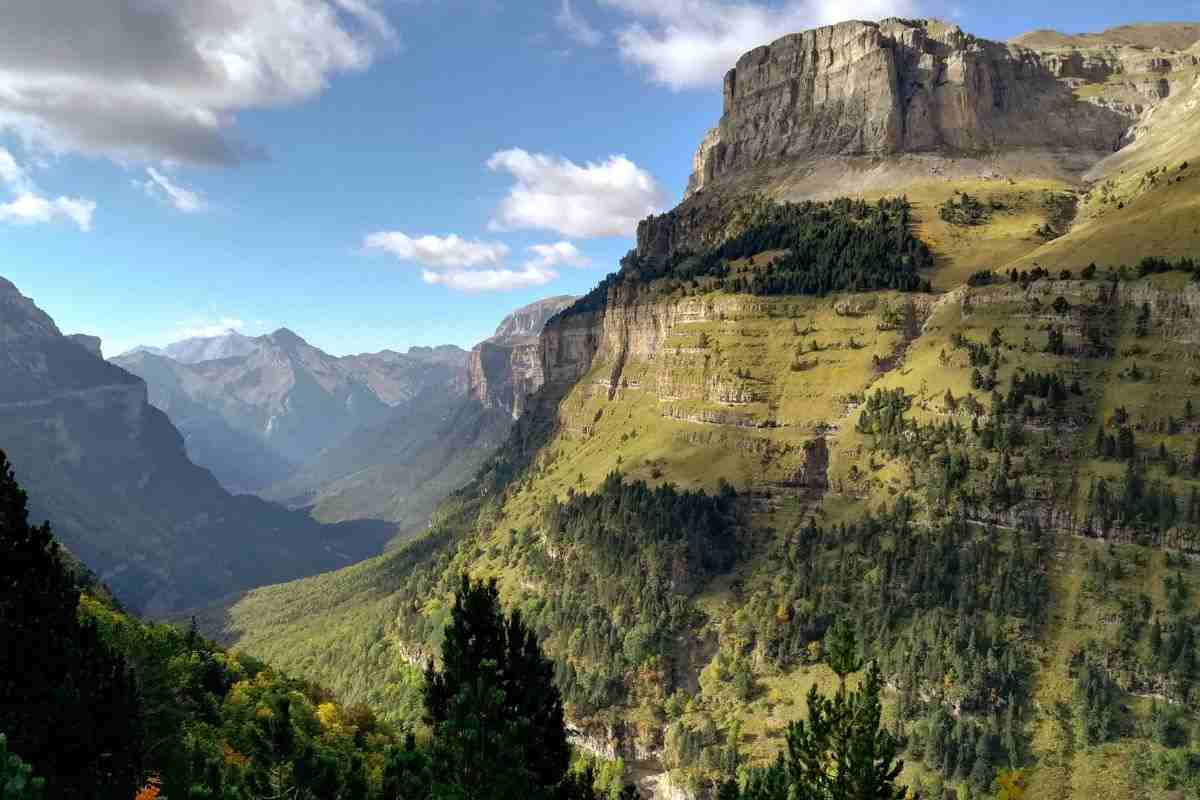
column 110, row 471
column 89, row 343
column 898, row 86
column 506, row 369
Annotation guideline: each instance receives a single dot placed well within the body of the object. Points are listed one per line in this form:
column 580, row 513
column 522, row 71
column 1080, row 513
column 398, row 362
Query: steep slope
column 401, row 468
column 255, row 418
column 860, row 91
column 505, row 369
column 241, row 461
column 995, row 475
column 112, row 472
column 865, row 109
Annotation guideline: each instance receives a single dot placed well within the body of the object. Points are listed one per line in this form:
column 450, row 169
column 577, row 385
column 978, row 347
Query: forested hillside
column 99, row 705
column 993, row 486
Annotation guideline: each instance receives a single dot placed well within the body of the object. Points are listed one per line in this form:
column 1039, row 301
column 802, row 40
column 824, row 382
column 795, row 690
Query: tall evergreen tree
column 839, row 753
column 68, row 704
column 497, row 716
column 842, row 646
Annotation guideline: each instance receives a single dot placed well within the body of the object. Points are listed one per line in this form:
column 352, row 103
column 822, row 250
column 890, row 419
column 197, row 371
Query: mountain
column 229, row 344
column 111, row 471
column 505, row 369
column 1147, row 36
column 255, row 417
column 917, row 351
column 400, row 468
column 238, row 458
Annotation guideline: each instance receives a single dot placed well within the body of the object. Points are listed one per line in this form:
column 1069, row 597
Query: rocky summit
column 868, row 91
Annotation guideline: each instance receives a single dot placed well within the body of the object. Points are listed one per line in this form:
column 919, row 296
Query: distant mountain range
column 112, row 473
column 255, row 409
column 401, row 467
column 202, row 348
column 379, row 436
column 135, row 459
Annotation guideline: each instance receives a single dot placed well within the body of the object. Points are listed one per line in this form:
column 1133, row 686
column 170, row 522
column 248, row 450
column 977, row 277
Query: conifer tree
column 68, row 704
column 496, row 715
column 840, row 752
column 842, row 646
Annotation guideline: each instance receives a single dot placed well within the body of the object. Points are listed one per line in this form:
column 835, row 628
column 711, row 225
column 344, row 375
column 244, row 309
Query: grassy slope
column 652, row 430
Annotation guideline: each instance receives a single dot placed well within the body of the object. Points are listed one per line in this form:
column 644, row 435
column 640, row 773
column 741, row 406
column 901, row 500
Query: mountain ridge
column 274, row 402
column 112, row 472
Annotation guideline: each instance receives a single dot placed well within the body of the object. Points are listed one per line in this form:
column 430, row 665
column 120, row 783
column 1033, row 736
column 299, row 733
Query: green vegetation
column 626, row 560
column 842, row 245
column 17, row 781
column 68, row 702
column 838, row 753
column 963, row 209
column 100, row 704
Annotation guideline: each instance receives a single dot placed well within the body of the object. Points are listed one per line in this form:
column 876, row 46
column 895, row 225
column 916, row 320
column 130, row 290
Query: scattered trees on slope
column 839, row 753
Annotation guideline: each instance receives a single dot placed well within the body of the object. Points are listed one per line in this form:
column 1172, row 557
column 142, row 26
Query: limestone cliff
column 503, row 371
column 865, row 90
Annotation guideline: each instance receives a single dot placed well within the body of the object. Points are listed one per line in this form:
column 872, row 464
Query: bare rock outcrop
column 90, row 343
column 505, row 370
column 901, row 86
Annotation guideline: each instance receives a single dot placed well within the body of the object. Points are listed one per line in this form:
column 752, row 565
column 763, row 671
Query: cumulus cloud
column 687, row 44
column 576, row 26
column 475, row 266
column 595, row 199
column 491, row 280
column 438, row 252
column 162, row 81
column 158, row 185
column 550, row 255
column 29, row 207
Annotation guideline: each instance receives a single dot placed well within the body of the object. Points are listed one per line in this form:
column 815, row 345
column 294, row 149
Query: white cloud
column 13, row 174
column 28, row 207
column 576, row 26
column 491, row 280
column 687, row 44
column 164, row 80
column 438, row 252
column 160, row 186
column 552, row 193
column 474, row 266
column 550, row 255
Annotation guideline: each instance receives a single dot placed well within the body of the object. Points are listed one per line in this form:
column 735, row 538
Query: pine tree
column 69, row 705
column 841, row 645
column 496, row 715
column 839, row 752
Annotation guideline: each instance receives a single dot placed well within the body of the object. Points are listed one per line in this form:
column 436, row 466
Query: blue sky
column 370, row 174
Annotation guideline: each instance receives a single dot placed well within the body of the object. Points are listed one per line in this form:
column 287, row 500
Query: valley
column 917, row 357
column 857, row 429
